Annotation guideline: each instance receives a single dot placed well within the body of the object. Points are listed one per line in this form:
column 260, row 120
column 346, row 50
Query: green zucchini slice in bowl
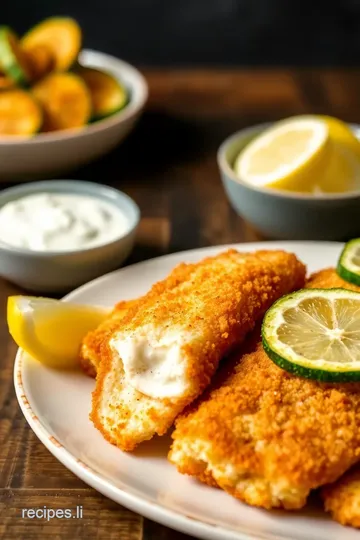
column 108, row 94
column 13, row 62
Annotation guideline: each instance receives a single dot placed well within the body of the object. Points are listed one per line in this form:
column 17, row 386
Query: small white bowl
column 47, row 154
column 60, row 271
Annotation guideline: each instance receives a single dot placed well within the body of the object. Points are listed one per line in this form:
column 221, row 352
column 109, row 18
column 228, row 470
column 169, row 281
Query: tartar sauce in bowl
column 60, row 222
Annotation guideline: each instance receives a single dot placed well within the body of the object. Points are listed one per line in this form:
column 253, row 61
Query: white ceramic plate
column 56, row 405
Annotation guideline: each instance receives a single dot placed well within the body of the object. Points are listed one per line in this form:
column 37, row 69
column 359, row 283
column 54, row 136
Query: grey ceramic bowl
column 60, row 271
column 285, row 215
column 47, row 154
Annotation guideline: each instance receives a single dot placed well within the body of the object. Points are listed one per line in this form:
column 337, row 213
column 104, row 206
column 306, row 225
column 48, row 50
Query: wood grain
column 168, row 165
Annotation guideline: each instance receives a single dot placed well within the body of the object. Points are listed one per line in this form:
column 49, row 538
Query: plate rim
column 141, row 504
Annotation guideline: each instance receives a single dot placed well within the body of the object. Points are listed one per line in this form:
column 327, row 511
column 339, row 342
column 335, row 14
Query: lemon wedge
column 289, row 155
column 342, row 171
column 49, row 330
column 342, row 134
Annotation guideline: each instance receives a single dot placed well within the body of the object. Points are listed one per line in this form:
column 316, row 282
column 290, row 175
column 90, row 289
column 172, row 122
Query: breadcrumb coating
column 90, row 350
column 328, row 279
column 342, row 498
column 268, row 437
column 211, row 306
column 89, row 355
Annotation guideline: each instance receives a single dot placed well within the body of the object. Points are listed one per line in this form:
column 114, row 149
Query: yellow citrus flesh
column 342, row 173
column 49, row 330
column 340, row 132
column 287, row 156
column 295, row 161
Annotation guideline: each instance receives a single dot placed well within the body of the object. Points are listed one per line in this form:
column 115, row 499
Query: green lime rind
column 309, row 373
column 10, row 63
column 345, row 269
column 302, row 367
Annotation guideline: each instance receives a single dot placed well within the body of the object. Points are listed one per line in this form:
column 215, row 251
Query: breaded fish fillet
column 165, row 351
column 266, row 436
column 342, row 498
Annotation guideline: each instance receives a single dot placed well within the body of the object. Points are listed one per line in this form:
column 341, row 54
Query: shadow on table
column 158, row 141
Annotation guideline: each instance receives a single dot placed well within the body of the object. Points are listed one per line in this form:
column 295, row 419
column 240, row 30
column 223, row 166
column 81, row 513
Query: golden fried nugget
column 268, row 437
column 167, row 348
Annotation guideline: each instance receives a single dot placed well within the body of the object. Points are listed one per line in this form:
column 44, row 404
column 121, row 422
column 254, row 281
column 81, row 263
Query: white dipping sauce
column 60, row 222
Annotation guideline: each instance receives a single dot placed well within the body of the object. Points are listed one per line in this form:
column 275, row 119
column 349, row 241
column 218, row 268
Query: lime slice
column 348, row 266
column 315, row 333
column 49, row 330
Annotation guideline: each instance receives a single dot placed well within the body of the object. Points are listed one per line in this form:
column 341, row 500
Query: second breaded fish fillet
column 166, row 350
column 269, row 437
column 342, row 498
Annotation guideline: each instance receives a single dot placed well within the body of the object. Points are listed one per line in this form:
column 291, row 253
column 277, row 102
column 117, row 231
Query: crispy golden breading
column 328, row 279
column 342, row 498
column 89, row 355
column 214, row 304
column 268, row 437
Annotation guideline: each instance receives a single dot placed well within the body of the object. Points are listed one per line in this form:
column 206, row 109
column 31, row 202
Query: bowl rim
column 225, row 167
column 130, row 110
column 91, row 189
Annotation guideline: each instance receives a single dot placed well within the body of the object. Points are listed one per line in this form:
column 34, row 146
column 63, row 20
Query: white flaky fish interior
column 153, row 363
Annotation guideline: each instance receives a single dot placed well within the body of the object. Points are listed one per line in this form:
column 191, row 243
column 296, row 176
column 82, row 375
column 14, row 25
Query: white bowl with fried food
column 47, row 154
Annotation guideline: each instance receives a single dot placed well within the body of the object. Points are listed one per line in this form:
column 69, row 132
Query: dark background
column 208, row 32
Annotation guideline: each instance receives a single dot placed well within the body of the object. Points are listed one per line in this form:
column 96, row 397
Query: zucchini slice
column 60, row 35
column 108, row 95
column 12, row 59
column 65, row 100
column 20, row 114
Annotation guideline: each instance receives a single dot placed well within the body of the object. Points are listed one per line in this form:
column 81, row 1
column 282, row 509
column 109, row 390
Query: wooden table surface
column 168, row 165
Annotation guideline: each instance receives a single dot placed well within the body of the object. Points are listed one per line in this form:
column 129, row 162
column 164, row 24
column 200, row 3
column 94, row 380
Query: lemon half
column 287, row 155
column 305, row 154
